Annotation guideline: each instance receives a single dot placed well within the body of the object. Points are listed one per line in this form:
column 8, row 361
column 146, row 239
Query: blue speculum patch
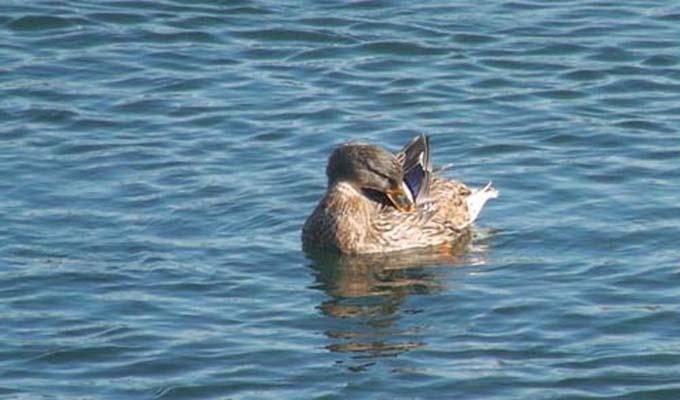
column 414, row 180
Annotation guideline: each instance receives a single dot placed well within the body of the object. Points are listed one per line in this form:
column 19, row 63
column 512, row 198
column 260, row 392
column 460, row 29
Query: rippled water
column 159, row 157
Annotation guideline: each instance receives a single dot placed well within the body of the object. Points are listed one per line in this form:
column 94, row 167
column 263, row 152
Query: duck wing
column 415, row 161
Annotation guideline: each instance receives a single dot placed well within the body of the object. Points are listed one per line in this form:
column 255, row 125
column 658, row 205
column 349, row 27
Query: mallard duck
column 378, row 202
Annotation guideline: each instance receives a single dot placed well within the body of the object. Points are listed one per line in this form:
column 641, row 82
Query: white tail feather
column 478, row 198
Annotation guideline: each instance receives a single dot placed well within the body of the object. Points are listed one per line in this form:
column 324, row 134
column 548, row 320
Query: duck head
column 369, row 167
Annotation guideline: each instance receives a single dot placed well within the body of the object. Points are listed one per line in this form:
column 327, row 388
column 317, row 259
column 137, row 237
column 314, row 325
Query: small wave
column 44, row 22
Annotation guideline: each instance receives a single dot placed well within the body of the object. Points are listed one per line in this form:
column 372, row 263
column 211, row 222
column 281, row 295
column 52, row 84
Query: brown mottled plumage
column 380, row 202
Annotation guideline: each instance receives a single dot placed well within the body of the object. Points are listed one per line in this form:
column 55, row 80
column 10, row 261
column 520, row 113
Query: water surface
column 159, row 158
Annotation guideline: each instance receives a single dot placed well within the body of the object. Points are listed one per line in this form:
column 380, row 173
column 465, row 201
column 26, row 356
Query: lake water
column 158, row 159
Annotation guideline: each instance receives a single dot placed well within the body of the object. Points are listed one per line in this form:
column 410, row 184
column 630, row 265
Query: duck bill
column 401, row 198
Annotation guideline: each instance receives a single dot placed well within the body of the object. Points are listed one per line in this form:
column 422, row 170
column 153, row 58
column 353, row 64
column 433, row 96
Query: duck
column 377, row 201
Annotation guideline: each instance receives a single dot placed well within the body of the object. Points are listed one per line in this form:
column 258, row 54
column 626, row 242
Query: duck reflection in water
column 366, row 294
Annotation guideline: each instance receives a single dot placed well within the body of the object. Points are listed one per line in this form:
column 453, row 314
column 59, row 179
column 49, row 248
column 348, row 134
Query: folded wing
column 415, row 159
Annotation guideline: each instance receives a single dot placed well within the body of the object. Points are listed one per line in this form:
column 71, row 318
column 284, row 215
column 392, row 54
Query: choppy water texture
column 158, row 159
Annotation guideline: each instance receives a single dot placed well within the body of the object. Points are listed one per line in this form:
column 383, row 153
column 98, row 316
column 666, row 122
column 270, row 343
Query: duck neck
column 352, row 213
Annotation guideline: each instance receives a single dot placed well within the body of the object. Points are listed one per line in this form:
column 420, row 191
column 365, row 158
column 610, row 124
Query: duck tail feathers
column 478, row 199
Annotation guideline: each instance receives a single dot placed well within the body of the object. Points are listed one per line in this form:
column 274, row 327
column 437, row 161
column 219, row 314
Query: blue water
column 158, row 159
